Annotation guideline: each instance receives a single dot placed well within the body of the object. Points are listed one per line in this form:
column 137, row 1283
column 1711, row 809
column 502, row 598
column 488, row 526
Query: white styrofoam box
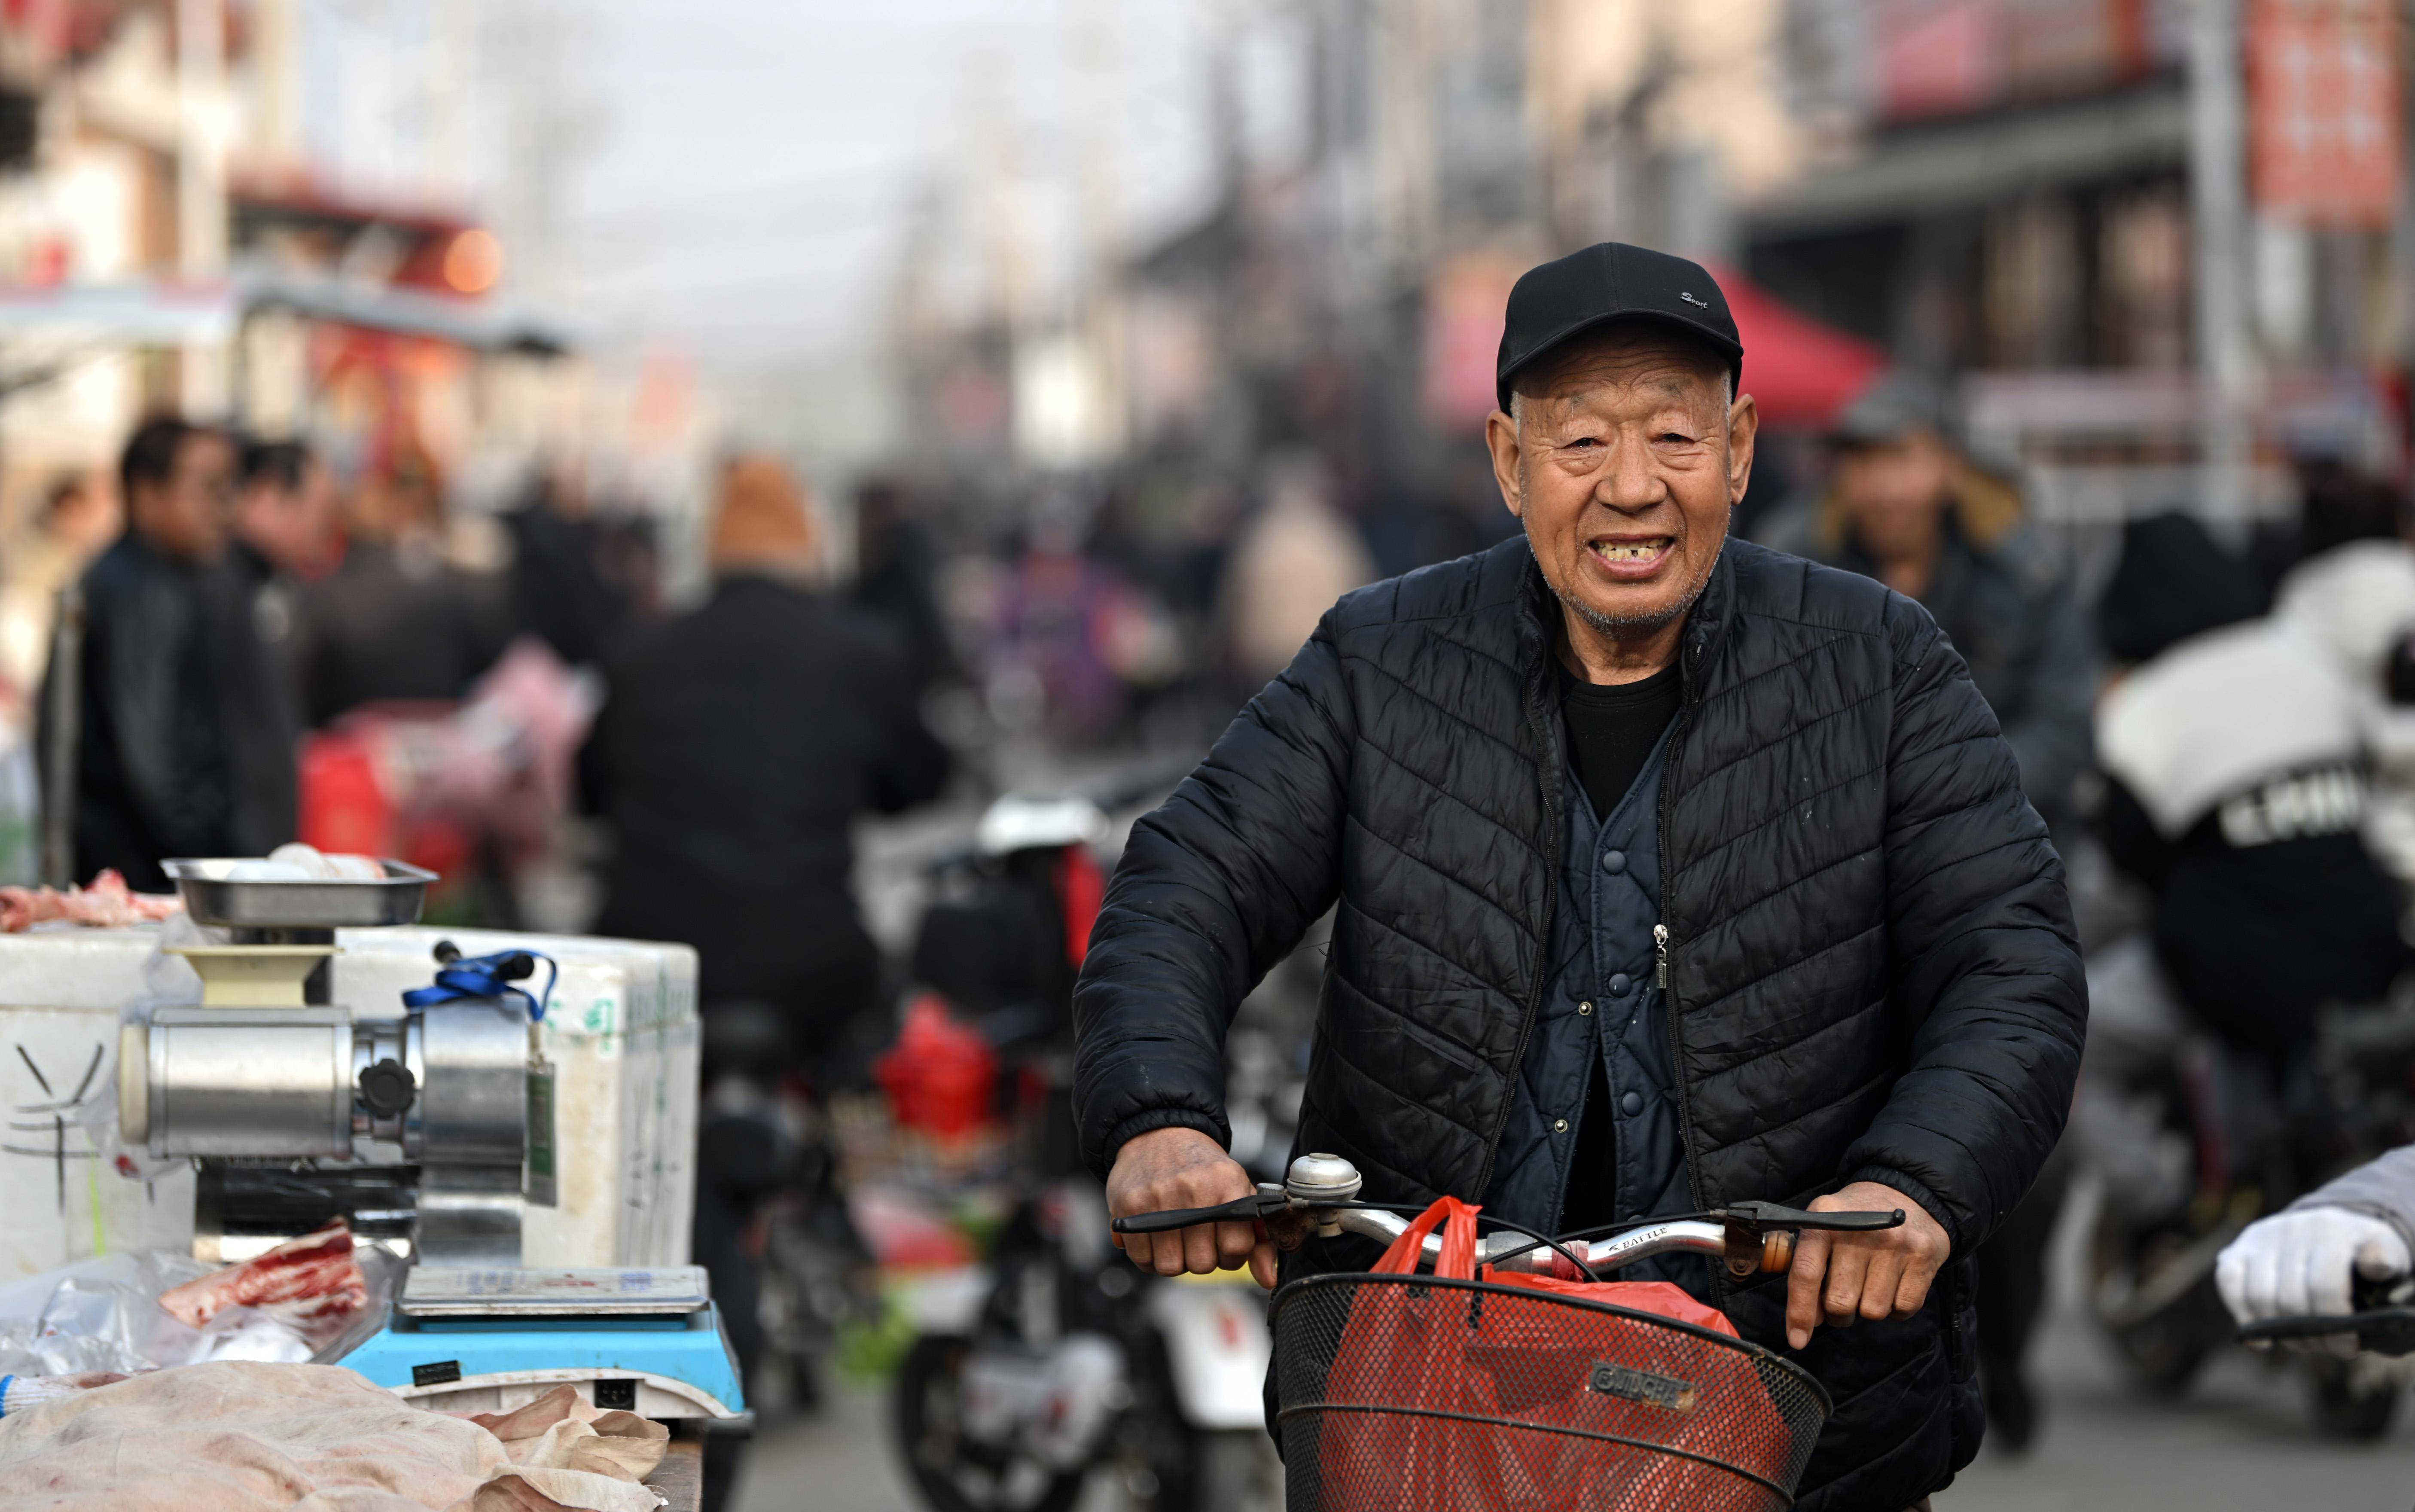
column 621, row 1028
column 64, row 1198
column 67, row 966
column 61, row 990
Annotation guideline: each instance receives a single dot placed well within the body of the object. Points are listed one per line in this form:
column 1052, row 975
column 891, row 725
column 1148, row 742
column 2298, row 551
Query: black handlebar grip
column 2389, row 1330
column 1239, row 1210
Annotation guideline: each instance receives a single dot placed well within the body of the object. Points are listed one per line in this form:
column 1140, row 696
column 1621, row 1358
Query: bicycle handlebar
column 2383, row 1322
column 1751, row 1237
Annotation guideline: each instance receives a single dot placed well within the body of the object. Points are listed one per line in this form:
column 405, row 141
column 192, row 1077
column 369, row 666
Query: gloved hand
column 2298, row 1264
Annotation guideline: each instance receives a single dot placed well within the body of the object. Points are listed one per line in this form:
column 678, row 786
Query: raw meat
column 313, row 1282
column 105, row 904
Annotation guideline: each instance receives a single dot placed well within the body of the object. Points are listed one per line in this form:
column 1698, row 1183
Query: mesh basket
column 1411, row 1392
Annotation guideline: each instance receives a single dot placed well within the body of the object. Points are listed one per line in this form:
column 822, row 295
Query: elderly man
column 1668, row 872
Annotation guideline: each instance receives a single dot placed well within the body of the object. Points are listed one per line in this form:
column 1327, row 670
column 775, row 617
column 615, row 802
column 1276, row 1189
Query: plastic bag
column 1465, row 1401
column 104, row 1314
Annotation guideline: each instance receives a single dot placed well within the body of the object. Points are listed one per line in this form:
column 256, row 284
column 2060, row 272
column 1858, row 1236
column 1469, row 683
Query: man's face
column 1623, row 462
column 187, row 515
column 1895, row 493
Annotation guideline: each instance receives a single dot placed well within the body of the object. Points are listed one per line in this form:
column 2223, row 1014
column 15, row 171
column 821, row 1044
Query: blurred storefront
column 2005, row 190
column 174, row 233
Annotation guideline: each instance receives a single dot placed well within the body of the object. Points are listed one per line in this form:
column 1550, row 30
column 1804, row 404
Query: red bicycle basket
column 1408, row 1393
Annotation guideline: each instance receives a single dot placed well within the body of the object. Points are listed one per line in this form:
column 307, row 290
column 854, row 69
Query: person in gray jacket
column 1904, row 505
column 2302, row 1261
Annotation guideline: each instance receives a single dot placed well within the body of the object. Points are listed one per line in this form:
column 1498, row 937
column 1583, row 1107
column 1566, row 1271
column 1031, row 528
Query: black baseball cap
column 1557, row 301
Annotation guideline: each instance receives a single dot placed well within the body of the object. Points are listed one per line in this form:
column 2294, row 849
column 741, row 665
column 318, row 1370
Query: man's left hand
column 1841, row 1276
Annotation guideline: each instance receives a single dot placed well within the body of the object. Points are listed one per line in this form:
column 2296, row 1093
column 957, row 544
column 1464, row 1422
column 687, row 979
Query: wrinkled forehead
column 1638, row 360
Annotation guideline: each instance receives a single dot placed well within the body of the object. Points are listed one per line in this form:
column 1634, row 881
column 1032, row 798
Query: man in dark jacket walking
column 181, row 750
column 736, row 745
column 1671, row 872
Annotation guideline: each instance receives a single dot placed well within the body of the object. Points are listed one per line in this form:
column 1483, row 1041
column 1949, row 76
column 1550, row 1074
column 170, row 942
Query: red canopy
column 1798, row 372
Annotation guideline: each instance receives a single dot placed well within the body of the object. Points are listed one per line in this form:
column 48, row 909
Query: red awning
column 1798, row 372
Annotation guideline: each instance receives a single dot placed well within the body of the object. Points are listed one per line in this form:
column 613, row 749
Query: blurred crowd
column 229, row 645
column 226, row 645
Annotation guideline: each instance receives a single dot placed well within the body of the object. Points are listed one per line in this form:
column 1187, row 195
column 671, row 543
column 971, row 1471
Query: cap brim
column 1717, row 341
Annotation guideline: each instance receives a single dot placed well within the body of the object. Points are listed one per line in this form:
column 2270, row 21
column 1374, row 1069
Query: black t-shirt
column 1613, row 728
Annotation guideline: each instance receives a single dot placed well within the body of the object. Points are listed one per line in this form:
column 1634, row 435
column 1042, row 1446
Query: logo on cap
column 1691, row 300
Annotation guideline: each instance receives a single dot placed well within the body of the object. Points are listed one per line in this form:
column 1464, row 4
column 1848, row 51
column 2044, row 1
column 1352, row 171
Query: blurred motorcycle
column 773, row 1230
column 2196, row 1142
column 1071, row 1362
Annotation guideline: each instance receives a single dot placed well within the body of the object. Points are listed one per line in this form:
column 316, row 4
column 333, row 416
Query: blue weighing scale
column 643, row 1341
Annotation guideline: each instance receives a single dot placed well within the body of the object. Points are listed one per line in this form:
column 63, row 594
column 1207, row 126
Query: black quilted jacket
column 1873, row 968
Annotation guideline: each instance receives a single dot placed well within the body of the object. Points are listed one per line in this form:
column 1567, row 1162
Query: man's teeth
column 1628, row 550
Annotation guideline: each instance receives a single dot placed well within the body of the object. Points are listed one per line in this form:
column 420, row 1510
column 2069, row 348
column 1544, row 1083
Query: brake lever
column 1259, row 1205
column 1758, row 1216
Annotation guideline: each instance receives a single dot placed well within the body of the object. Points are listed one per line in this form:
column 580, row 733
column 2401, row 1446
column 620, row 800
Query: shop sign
column 2326, row 145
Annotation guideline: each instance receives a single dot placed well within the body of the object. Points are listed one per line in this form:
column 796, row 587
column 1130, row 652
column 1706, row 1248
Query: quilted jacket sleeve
column 2382, row 1189
column 1984, row 960
column 1214, row 888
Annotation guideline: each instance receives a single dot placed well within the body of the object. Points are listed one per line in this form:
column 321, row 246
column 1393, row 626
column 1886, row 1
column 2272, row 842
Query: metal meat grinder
column 428, row 1127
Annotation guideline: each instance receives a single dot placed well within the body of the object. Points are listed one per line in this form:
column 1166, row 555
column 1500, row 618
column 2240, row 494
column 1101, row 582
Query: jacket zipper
column 1553, row 782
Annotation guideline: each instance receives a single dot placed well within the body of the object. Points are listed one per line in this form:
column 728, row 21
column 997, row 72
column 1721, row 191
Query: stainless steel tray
column 211, row 899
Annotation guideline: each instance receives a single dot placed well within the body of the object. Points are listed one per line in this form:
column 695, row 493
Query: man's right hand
column 1170, row 1168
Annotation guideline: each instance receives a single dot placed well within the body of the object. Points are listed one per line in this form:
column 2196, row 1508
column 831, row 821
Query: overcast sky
column 746, row 166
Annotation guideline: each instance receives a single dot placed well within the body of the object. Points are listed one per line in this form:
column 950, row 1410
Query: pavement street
column 2240, row 1441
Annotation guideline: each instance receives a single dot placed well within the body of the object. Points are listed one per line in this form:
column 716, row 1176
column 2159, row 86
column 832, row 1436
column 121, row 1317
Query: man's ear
column 1744, row 426
column 1501, row 440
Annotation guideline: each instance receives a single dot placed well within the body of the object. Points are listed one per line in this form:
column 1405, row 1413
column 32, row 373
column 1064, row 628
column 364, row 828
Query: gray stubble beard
column 1614, row 625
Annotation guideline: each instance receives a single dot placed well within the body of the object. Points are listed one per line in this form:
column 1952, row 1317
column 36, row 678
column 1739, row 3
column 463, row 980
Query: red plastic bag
column 941, row 1075
column 1416, row 1366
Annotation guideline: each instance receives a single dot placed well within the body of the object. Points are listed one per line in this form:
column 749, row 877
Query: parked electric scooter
column 1071, row 1363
